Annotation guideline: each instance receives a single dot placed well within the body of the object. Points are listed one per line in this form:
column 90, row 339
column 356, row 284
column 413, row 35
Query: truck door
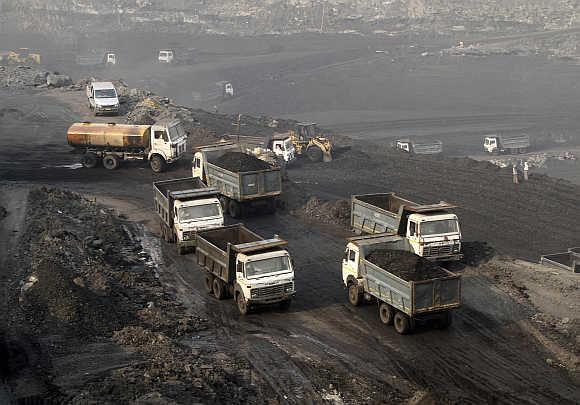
column 350, row 264
column 414, row 237
column 197, row 166
column 160, row 142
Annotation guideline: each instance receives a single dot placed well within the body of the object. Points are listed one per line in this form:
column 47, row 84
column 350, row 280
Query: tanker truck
column 161, row 144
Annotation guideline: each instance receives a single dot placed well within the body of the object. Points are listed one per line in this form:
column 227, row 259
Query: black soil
column 406, row 265
column 240, row 162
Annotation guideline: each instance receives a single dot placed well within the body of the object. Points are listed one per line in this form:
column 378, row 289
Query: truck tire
column 157, row 163
column 235, row 209
column 111, row 162
column 523, row 150
column 355, row 297
column 314, row 154
column 386, row 313
column 219, row 290
column 208, row 283
column 285, row 305
column 445, row 320
column 242, row 304
column 90, row 160
column 402, row 323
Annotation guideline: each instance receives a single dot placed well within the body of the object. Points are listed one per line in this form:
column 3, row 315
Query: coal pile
column 240, row 162
column 405, row 265
column 330, row 212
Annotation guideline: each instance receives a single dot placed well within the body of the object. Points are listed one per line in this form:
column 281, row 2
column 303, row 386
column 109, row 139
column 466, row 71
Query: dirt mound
column 240, row 162
column 84, row 276
column 330, row 212
column 405, row 265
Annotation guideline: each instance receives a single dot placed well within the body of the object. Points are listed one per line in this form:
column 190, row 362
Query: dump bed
column 404, row 280
column 240, row 176
column 514, row 141
column 427, row 147
column 382, row 212
column 109, row 135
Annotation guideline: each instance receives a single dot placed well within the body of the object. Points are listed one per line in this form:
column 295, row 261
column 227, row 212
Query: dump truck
column 408, row 288
column 239, row 263
column 98, row 57
column 244, row 181
column 277, row 144
column 512, row 144
column 431, row 229
column 161, row 144
column 419, row 147
column 186, row 206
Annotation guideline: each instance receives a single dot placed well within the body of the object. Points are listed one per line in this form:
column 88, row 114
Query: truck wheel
column 111, row 162
column 157, row 163
column 354, row 295
column 314, row 154
column 242, row 304
column 402, row 323
column 208, row 283
column 386, row 313
column 445, row 320
column 90, row 160
column 234, row 209
column 285, row 305
column 523, row 150
column 218, row 289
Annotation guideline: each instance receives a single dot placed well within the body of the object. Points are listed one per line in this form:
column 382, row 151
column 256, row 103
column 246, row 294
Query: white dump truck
column 244, row 181
column 186, row 206
column 419, row 147
column 161, row 144
column 103, row 98
column 279, row 144
column 500, row 143
column 408, row 288
column 243, row 265
column 431, row 229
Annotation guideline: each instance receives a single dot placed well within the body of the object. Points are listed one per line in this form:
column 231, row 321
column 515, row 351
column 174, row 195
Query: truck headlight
column 254, row 293
column 289, row 287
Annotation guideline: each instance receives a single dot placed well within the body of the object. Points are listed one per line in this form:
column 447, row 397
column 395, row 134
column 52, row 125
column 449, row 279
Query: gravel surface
column 240, row 162
column 406, row 265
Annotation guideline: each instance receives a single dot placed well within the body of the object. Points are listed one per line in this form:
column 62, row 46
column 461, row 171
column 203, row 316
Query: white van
column 103, row 98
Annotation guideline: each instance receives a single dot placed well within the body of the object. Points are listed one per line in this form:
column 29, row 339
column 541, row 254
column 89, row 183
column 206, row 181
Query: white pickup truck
column 103, row 98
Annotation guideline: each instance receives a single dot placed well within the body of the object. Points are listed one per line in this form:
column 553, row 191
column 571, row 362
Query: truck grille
column 440, row 250
column 271, row 290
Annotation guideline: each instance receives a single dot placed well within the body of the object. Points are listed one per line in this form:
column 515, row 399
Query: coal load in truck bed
column 240, row 162
column 406, row 265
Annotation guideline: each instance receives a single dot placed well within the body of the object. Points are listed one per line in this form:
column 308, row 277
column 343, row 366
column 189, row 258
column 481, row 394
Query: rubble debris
column 86, row 279
column 330, row 212
column 22, row 76
column 240, row 162
column 58, row 80
column 405, row 265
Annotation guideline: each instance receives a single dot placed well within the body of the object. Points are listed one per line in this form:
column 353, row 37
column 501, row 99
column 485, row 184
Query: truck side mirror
column 239, row 267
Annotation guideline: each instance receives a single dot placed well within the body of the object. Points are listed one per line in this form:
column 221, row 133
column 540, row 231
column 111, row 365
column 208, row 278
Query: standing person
column 526, row 169
column 515, row 174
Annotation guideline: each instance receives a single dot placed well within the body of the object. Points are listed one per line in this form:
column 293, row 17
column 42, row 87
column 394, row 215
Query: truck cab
column 103, row 98
column 228, row 90
column 165, row 56
column 191, row 216
column 111, row 58
column 434, row 236
column 283, row 147
column 168, row 143
column 404, row 145
column 264, row 278
column 350, row 268
column 491, row 144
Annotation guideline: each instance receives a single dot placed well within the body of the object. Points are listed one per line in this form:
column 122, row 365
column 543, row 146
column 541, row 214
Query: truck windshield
column 263, row 267
column 439, row 227
column 288, row 144
column 176, row 132
column 105, row 93
column 198, row 212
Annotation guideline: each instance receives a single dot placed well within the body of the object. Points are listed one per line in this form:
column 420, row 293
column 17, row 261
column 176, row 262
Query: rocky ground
column 84, row 278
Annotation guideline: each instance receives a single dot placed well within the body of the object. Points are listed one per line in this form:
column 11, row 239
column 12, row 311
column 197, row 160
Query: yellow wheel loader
column 307, row 143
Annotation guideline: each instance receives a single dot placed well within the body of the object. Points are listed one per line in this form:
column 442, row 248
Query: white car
column 103, row 98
